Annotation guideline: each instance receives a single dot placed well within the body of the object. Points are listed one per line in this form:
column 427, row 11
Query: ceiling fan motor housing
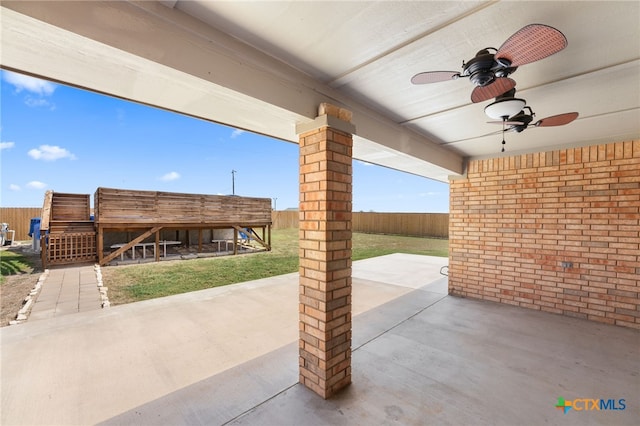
column 523, row 118
column 505, row 72
column 479, row 69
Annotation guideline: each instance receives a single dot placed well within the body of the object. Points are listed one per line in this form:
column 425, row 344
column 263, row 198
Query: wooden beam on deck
column 253, row 233
column 129, row 245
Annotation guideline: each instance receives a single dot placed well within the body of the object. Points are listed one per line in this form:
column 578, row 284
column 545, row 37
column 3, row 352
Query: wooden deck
column 149, row 212
column 69, row 234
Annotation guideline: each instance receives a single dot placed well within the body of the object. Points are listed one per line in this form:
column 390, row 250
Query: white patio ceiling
column 265, row 67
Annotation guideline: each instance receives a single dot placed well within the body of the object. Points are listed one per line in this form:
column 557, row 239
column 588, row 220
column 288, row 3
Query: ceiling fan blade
column 530, row 44
column 495, row 89
column 557, row 120
column 434, row 77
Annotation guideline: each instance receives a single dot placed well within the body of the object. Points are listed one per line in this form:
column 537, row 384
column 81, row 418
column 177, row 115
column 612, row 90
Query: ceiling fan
column 504, row 108
column 489, row 71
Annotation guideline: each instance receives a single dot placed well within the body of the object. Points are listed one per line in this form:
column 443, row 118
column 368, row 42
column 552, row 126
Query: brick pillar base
column 325, row 252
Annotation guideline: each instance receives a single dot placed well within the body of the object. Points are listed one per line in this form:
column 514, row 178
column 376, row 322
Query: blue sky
column 74, row 141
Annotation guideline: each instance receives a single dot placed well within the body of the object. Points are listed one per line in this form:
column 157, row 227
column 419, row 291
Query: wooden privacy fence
column 19, row 219
column 410, row 224
column 284, row 219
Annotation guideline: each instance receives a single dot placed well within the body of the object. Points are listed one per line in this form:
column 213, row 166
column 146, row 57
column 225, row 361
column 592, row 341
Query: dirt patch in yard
column 17, row 287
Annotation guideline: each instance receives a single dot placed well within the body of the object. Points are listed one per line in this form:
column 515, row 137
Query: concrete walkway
column 67, row 291
column 229, row 355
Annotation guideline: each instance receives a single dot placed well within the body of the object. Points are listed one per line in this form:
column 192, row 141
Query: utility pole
column 233, row 182
column 275, row 204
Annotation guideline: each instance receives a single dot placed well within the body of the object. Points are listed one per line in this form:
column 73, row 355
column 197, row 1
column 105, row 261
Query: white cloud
column 30, row 101
column 7, row 145
column 170, row 176
column 34, row 184
column 14, row 187
column 50, row 153
column 236, row 133
column 34, row 85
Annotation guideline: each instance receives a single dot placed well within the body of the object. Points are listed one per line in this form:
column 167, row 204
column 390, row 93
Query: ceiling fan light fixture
column 504, row 108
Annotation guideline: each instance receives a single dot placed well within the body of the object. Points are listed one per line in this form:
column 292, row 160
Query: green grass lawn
column 13, row 263
column 147, row 281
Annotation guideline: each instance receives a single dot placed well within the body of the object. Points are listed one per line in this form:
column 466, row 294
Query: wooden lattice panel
column 68, row 248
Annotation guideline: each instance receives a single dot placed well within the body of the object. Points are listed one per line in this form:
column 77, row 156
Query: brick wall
column 325, row 260
column 515, row 220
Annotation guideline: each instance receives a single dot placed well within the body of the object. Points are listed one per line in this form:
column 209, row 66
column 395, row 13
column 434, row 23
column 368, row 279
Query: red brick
column 325, row 263
column 514, row 219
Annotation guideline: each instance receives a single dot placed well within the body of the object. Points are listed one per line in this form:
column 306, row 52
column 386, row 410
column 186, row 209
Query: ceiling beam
column 189, row 53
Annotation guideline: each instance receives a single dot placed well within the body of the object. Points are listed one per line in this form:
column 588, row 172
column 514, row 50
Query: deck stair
column 67, row 231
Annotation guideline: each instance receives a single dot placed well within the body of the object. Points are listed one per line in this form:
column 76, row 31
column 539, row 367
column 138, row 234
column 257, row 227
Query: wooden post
column 100, row 244
column 43, row 250
column 157, row 250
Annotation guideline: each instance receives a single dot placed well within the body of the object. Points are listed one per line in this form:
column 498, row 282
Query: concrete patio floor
column 229, row 356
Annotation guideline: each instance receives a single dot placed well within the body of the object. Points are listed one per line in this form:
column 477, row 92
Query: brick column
column 325, row 251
